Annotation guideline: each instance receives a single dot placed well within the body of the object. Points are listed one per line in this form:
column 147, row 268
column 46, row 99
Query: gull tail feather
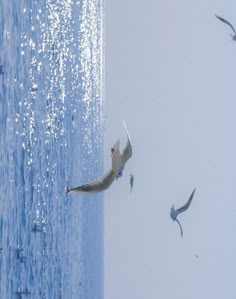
column 181, row 229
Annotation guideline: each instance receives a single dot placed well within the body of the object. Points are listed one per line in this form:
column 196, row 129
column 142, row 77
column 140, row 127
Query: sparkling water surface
column 51, row 106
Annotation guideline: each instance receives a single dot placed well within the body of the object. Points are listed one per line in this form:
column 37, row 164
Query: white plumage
column 118, row 163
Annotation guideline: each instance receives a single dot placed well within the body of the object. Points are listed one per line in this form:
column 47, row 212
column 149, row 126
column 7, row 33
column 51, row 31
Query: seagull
column 131, row 182
column 118, row 163
column 230, row 25
column 174, row 213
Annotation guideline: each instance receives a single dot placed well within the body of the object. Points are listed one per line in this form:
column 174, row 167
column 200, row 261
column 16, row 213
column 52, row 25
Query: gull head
column 173, row 213
column 120, row 172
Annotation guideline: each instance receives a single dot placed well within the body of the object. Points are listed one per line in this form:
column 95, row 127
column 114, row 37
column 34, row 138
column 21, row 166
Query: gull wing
column 188, row 203
column 118, row 160
column 116, row 157
column 104, row 182
column 226, row 22
column 97, row 185
column 127, row 152
column 181, row 230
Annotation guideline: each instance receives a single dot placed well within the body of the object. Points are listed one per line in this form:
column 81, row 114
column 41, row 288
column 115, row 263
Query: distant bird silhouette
column 174, row 213
column 1, row 70
column 230, row 25
column 131, row 182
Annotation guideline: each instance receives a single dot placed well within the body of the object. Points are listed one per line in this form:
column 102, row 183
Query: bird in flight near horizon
column 131, row 181
column 174, row 213
column 230, row 25
column 118, row 163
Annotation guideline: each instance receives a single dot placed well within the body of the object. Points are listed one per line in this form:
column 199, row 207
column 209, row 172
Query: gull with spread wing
column 118, row 163
column 174, row 213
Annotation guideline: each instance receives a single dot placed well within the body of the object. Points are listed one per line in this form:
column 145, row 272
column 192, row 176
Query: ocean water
column 51, row 108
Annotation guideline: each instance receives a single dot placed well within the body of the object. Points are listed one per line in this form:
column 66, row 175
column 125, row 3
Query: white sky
column 170, row 73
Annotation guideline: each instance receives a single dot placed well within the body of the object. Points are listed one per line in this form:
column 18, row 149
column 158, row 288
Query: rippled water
column 51, row 131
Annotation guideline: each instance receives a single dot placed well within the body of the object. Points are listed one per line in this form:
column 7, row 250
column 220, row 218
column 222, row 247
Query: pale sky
column 170, row 74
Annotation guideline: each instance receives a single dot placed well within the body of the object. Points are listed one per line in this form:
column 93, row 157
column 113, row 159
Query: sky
column 170, row 74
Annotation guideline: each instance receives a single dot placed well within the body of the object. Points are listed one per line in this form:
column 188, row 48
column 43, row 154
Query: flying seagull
column 174, row 213
column 118, row 163
column 230, row 25
column 131, row 182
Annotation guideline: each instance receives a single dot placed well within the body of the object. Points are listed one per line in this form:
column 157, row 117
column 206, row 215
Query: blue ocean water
column 51, row 107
